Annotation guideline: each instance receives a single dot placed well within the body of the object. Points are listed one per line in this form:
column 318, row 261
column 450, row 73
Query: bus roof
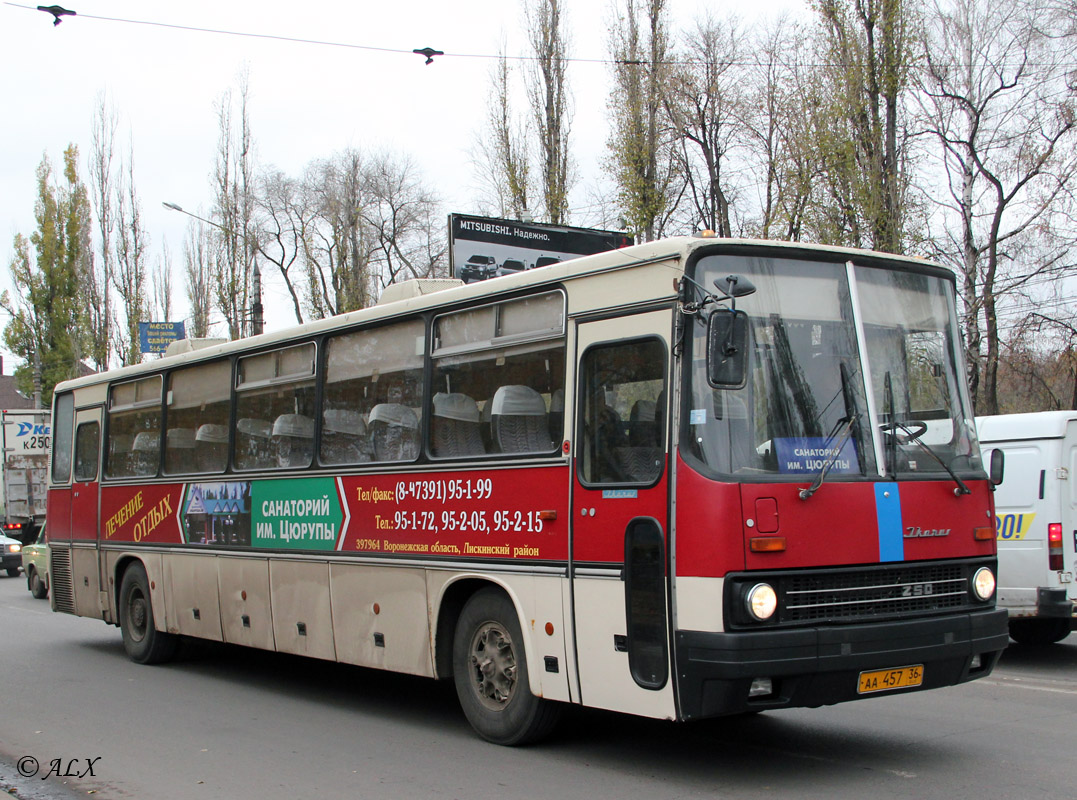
column 672, row 249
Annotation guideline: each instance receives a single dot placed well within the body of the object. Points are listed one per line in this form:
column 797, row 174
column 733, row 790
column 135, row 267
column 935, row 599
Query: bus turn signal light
column 1054, row 547
column 984, row 534
column 767, row 544
column 547, row 516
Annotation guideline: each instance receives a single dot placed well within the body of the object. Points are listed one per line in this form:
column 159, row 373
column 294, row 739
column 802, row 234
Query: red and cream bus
column 685, row 479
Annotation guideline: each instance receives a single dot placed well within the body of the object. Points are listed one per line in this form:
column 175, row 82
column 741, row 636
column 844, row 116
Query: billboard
column 484, row 247
column 155, row 337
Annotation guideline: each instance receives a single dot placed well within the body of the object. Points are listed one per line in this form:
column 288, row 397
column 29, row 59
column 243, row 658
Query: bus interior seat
column 394, row 432
column 211, row 447
column 179, row 450
column 344, row 437
column 518, row 420
column 641, row 460
column 557, row 415
column 146, row 450
column 294, row 438
column 253, row 444
column 456, row 426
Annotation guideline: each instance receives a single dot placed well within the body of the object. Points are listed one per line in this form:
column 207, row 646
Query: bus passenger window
column 509, row 358
column 278, row 386
column 134, row 428
column 373, row 389
column 199, row 404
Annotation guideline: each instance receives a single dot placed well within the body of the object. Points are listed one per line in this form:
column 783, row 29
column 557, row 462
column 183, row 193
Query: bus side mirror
column 998, row 466
column 727, row 349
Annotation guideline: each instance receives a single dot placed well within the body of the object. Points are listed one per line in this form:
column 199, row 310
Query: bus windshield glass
column 858, row 377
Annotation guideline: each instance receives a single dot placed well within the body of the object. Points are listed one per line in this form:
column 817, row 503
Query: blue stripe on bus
column 888, row 516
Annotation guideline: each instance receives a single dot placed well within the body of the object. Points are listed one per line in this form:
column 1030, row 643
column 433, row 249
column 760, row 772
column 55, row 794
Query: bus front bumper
column 809, row 667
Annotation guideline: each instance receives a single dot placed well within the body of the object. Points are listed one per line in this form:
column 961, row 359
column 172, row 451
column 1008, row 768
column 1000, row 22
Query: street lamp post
column 257, row 318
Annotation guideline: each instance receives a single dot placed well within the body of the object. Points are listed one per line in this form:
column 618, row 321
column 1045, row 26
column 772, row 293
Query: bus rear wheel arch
column 142, row 641
column 489, row 666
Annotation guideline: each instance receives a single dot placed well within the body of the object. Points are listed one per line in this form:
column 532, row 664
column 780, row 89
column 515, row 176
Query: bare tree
column 162, row 286
column 234, row 209
column 547, row 93
column 198, row 274
column 100, row 277
column 705, row 106
column 132, row 242
column 501, row 155
column 868, row 66
column 641, row 161
column 999, row 103
column 282, row 219
column 781, row 100
column 402, row 215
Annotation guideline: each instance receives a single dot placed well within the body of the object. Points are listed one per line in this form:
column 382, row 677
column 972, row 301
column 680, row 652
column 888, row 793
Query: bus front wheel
column 141, row 639
column 490, row 673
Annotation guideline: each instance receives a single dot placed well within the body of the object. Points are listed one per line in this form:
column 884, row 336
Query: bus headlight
column 983, row 583
column 761, row 601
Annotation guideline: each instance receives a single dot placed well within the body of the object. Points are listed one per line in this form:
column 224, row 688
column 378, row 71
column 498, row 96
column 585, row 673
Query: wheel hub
column 493, row 664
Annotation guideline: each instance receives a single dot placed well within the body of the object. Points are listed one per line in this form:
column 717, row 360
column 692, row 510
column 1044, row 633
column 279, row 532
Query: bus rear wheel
column 490, row 673
column 1039, row 632
column 141, row 639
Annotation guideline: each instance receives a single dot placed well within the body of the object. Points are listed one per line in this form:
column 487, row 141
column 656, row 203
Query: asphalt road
column 227, row 722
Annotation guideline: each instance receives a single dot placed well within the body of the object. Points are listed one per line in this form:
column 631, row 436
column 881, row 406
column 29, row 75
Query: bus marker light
column 376, row 609
column 547, row 516
column 984, row 534
column 565, row 447
column 549, row 629
column 767, row 544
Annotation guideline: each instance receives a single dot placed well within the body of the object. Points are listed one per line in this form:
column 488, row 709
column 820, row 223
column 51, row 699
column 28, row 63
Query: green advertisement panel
column 296, row 514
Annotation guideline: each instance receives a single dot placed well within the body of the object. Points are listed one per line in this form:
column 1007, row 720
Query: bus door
column 85, row 505
column 620, row 514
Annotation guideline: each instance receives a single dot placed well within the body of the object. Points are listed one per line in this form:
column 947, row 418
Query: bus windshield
column 852, row 370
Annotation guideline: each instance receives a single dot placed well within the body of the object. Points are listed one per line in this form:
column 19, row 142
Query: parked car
column 10, row 555
column 35, row 563
column 545, row 261
column 478, row 268
column 510, row 266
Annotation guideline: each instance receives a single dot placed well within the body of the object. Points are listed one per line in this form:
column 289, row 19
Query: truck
column 26, row 436
column 1036, row 521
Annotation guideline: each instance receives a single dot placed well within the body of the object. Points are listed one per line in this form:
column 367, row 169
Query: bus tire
column 1039, row 632
column 37, row 586
column 141, row 639
column 490, row 673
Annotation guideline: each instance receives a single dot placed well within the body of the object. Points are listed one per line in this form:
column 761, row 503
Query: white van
column 1036, row 520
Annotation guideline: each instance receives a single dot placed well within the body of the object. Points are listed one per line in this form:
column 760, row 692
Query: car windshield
column 882, row 396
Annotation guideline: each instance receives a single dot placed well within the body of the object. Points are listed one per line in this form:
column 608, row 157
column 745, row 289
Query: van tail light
column 1054, row 546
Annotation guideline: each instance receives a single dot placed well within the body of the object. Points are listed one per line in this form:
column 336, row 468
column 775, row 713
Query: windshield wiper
column 850, row 422
column 913, row 434
column 846, row 433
